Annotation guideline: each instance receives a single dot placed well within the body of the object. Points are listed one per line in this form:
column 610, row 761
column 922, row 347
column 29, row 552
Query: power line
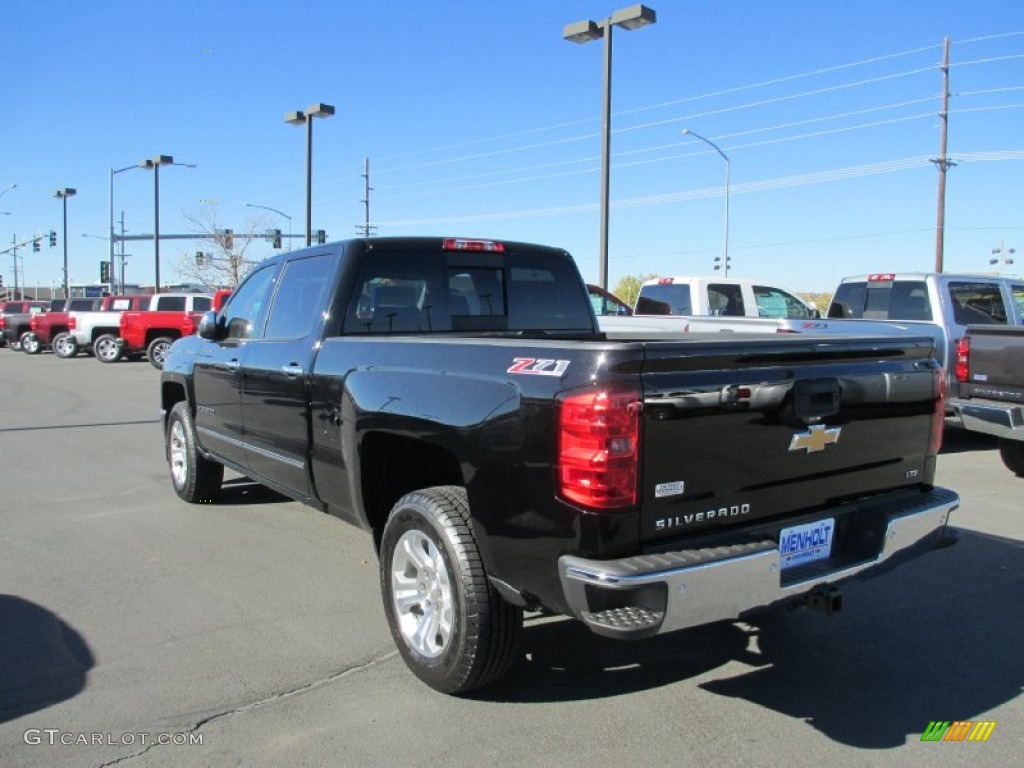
column 837, row 174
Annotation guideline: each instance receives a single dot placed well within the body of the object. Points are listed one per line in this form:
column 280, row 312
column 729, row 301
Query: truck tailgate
column 735, row 432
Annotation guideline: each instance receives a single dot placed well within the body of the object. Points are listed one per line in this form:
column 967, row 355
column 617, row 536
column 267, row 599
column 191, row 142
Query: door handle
column 292, row 370
column 232, row 365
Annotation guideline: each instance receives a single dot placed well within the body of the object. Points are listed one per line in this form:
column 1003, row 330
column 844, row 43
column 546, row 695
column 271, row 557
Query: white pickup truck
column 99, row 330
column 667, row 307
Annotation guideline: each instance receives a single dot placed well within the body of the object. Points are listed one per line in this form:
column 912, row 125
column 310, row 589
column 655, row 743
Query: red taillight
column 939, row 416
column 963, row 354
column 32, row 323
column 666, row 280
column 599, row 448
column 883, row 278
column 461, row 244
column 3, row 322
column 72, row 323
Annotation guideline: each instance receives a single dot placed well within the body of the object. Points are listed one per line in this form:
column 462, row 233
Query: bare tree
column 225, row 260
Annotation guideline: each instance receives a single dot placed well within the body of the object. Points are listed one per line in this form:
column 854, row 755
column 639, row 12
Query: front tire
column 156, row 352
column 453, row 629
column 107, row 349
column 30, row 343
column 65, row 345
column 195, row 479
column 1012, row 454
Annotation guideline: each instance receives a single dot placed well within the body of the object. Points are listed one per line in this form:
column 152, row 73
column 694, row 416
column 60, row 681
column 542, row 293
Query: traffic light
column 200, row 258
column 320, row 236
column 53, row 238
column 35, row 245
column 225, row 238
column 277, row 238
column 104, row 271
column 1, row 281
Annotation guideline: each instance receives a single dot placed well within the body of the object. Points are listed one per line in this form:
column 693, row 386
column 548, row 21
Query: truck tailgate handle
column 292, row 369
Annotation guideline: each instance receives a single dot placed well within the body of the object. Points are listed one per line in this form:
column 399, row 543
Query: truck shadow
column 938, row 642
column 958, row 440
column 43, row 660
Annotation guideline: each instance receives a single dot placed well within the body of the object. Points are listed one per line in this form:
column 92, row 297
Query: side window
column 298, row 304
column 243, row 313
column 977, row 303
column 726, row 300
column 201, row 303
column 1018, row 298
column 772, row 302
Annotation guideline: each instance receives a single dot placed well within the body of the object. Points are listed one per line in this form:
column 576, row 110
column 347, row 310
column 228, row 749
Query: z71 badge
column 537, row 367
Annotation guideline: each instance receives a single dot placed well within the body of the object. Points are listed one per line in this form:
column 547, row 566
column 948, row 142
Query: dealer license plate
column 804, row 544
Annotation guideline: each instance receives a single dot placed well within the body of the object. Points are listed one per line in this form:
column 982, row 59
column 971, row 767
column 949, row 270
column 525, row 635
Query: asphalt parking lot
column 254, row 626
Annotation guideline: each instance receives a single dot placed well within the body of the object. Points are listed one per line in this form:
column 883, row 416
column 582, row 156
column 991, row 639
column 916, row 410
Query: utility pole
column 942, row 162
column 367, row 228
column 14, row 249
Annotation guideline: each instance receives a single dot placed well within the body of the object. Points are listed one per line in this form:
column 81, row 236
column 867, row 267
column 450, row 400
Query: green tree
column 628, row 287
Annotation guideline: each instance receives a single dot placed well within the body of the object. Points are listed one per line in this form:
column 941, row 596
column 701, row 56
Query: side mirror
column 208, row 327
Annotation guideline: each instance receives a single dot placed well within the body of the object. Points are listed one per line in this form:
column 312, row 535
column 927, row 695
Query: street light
column 64, row 194
column 279, row 213
column 7, row 189
column 155, row 164
column 298, row 118
column 634, row 17
column 1002, row 252
column 725, row 236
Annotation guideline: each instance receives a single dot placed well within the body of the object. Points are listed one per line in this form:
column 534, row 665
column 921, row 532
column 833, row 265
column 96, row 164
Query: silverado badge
column 815, row 438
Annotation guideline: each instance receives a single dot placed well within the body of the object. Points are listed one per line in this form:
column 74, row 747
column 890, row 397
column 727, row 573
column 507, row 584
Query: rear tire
column 65, row 345
column 156, row 352
column 1012, row 454
column 453, row 629
column 106, row 348
column 30, row 343
column 195, row 479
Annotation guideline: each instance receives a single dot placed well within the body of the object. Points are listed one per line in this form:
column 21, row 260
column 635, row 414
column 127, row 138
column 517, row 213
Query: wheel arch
column 393, row 465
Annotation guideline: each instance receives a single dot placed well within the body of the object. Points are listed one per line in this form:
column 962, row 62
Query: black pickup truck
column 990, row 370
column 455, row 398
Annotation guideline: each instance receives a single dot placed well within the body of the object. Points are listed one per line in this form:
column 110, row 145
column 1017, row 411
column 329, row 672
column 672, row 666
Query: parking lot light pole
column 279, row 213
column 64, row 194
column 298, row 118
column 725, row 236
column 634, row 17
column 155, row 164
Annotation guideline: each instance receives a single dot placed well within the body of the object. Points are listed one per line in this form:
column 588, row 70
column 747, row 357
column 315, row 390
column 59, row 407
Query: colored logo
column 958, row 730
column 815, row 438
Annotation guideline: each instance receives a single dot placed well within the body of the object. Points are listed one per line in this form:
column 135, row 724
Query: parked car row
column 111, row 328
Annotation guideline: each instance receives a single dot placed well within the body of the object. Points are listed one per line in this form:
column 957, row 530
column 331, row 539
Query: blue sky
column 480, row 120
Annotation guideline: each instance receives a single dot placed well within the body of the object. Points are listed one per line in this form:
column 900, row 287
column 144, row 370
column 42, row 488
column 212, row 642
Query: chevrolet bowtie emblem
column 815, row 438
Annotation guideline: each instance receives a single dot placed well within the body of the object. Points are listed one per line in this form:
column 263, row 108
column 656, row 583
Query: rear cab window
column 434, row 291
column 882, row 300
column 664, row 298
